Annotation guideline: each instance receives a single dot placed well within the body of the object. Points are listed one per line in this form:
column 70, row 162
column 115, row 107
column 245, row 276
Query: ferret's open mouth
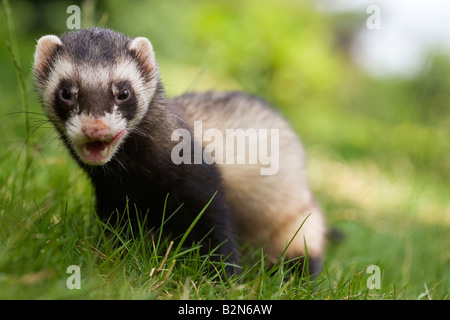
column 99, row 152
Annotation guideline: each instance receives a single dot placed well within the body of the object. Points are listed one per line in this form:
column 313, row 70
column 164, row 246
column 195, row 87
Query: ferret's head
column 95, row 85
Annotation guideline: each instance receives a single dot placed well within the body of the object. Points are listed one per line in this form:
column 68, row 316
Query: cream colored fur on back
column 267, row 209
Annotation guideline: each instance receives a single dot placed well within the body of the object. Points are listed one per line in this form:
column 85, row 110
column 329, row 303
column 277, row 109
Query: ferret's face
column 95, row 91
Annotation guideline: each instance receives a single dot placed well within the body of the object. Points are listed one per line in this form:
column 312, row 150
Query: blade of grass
column 274, row 268
column 188, row 231
column 18, row 67
column 162, row 222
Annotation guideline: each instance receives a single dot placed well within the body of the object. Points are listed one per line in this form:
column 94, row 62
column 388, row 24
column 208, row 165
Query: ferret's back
column 262, row 213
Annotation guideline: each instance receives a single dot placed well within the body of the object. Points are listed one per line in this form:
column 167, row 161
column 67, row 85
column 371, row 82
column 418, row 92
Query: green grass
column 379, row 168
column 39, row 244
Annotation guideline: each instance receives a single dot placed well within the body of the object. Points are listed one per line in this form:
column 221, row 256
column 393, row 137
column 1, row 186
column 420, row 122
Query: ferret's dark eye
column 65, row 94
column 123, row 95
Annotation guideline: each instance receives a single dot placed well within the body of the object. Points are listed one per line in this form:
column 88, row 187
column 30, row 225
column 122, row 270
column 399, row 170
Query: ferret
column 102, row 92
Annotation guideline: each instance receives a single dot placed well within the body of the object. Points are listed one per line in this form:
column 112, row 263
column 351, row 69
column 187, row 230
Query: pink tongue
column 117, row 136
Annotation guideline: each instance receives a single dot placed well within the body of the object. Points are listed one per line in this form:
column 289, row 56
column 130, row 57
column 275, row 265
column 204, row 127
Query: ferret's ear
column 45, row 49
column 144, row 55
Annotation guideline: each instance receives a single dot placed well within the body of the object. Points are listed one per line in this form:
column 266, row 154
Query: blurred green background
column 378, row 150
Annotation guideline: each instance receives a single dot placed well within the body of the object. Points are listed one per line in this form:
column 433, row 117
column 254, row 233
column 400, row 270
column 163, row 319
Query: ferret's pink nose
column 95, row 129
